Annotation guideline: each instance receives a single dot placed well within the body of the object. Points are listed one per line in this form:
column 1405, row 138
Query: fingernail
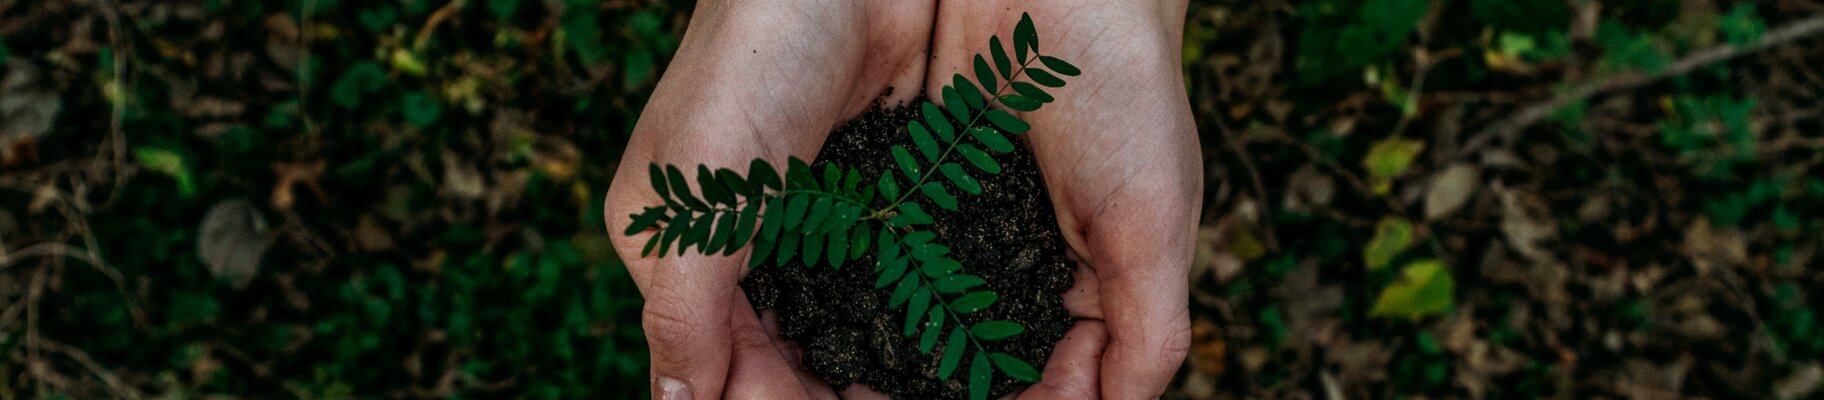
column 673, row 389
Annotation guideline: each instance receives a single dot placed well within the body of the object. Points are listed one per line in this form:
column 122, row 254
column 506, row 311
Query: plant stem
column 951, row 148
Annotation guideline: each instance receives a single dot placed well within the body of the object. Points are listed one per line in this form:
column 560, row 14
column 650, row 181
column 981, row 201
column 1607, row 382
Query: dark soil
column 1008, row 235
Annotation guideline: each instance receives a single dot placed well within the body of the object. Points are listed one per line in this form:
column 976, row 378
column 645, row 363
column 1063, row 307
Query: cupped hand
column 1120, row 155
column 752, row 79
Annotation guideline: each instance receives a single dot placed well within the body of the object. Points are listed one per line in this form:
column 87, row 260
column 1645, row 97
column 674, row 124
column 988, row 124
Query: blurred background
column 1407, row 198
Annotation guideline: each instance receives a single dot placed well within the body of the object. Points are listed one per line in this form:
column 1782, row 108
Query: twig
column 1526, row 117
column 115, row 385
column 47, row 249
column 1260, row 190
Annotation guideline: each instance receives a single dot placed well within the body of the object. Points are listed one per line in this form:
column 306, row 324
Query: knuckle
column 668, row 329
column 1177, row 342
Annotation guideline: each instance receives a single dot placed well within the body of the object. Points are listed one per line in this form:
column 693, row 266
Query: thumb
column 686, row 313
column 686, row 321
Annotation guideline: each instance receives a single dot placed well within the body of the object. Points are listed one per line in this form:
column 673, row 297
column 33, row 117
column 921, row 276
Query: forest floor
column 1406, row 199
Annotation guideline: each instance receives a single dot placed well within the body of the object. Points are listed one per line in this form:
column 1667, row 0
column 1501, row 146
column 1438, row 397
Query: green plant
column 836, row 217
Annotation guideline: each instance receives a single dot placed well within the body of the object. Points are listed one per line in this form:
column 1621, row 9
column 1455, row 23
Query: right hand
column 752, row 79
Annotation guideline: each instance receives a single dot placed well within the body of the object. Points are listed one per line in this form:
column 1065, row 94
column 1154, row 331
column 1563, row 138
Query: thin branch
column 1507, row 129
column 115, row 385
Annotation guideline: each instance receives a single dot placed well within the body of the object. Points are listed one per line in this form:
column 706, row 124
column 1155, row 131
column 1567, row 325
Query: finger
column 686, row 321
column 793, row 356
column 1142, row 256
column 756, row 369
column 1075, row 365
column 861, row 391
column 1084, row 298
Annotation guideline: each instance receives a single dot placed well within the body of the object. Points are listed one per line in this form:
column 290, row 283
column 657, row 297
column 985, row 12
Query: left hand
column 1120, row 154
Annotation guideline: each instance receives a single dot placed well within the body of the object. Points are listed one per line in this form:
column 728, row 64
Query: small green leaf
column 961, row 178
column 959, row 109
column 887, row 246
column 1040, row 76
column 888, row 187
column 681, row 188
column 1029, row 34
column 919, row 303
column 1389, row 158
column 971, row 95
column 421, row 110
column 1020, row 103
column 1033, row 92
column 894, row 268
column 981, row 160
column 934, row 325
column 813, row 250
column 795, row 207
column 940, row 267
column 956, row 283
column 798, row 176
column 744, row 227
column 992, row 138
column 850, row 181
column 713, row 190
column 906, row 164
column 858, row 241
column 725, row 228
column 918, row 239
column 699, row 232
column 984, row 74
column 1391, row 236
column 935, row 191
column 1007, row 122
column 1024, row 37
column 673, row 233
column 915, row 212
column 645, row 220
column 930, row 252
column 953, row 353
column 974, row 302
column 996, row 330
column 903, row 291
column 980, row 376
column 838, row 247
column 788, row 248
column 735, row 183
column 832, row 176
column 1014, row 367
column 763, row 176
column 658, row 182
column 820, row 210
column 651, row 243
column 763, row 247
column 1058, row 65
column 1425, row 288
column 774, row 218
column 921, row 139
column 939, row 125
column 1000, row 57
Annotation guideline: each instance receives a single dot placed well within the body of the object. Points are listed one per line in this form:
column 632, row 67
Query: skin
column 770, row 78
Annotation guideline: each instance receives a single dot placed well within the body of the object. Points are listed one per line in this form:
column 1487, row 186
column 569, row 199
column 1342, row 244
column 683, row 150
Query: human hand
column 752, row 79
column 1119, row 153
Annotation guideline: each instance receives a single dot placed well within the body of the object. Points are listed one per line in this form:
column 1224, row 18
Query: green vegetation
column 1476, row 199
column 806, row 217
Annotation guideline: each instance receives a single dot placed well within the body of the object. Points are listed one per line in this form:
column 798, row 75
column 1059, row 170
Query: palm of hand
column 1118, row 152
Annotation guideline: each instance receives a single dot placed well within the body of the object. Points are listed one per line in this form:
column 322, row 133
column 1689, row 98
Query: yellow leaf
column 407, row 62
column 1389, row 158
column 1425, row 288
column 168, row 163
column 1391, row 236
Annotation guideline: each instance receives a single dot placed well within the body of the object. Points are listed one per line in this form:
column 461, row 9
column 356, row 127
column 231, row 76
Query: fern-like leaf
column 832, row 216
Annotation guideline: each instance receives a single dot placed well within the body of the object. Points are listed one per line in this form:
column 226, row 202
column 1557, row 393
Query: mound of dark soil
column 1008, row 235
